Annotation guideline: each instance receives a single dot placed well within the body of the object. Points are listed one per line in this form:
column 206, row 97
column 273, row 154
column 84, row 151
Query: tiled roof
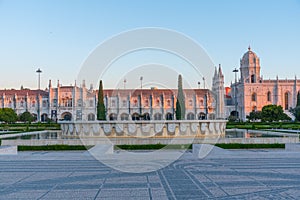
column 23, row 92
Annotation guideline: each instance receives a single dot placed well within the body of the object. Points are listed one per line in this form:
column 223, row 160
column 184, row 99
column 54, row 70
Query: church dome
column 249, row 56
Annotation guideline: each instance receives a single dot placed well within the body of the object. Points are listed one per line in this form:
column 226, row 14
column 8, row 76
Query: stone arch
column 135, row 117
column 201, row 116
column 67, row 116
column 146, row 116
column 124, row 117
column 190, row 116
column 44, row 117
column 113, row 117
column 169, row 116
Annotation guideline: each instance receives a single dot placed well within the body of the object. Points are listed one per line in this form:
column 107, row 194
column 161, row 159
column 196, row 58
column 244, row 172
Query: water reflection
column 230, row 133
column 242, row 133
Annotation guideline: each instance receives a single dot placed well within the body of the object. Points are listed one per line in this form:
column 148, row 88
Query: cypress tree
column 180, row 103
column 298, row 99
column 101, row 114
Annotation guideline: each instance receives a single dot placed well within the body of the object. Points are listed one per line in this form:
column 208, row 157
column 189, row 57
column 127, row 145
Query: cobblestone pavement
column 240, row 174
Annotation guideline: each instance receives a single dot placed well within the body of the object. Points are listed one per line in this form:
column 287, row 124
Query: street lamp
column 39, row 71
column 235, row 99
column 203, row 82
column 198, row 84
column 141, row 79
column 124, row 84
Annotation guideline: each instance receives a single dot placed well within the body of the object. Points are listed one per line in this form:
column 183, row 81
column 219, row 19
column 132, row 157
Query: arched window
column 135, row 117
column 253, row 97
column 286, row 101
column 113, row 117
column 124, row 117
column 269, row 96
column 169, row 116
column 146, row 116
column 190, row 116
column 252, row 78
column 201, row 116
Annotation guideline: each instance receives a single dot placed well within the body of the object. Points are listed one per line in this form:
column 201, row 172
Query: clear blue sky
column 58, row 35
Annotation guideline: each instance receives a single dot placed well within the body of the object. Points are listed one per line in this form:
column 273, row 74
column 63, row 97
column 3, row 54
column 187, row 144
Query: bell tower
column 250, row 67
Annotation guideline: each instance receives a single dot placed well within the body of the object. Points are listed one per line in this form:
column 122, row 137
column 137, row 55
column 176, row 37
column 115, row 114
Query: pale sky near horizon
column 58, row 35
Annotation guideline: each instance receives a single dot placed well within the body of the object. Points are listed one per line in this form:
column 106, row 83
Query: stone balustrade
column 144, row 129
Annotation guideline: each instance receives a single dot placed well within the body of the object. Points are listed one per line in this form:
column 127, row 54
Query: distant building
column 253, row 92
column 34, row 101
column 80, row 103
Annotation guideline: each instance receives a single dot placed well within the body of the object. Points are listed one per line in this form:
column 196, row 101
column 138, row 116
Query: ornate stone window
column 169, row 102
column 135, row 103
column 124, row 103
column 146, row 103
column 157, row 102
column 201, row 102
column 253, row 97
column 190, row 102
column 269, row 96
column 44, row 103
column 286, row 101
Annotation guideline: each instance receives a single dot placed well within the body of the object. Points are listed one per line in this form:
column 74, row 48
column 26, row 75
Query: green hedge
column 249, row 146
column 263, row 125
column 146, row 147
column 54, row 148
column 153, row 146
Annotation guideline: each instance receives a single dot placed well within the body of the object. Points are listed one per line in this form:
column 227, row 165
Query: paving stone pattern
column 265, row 174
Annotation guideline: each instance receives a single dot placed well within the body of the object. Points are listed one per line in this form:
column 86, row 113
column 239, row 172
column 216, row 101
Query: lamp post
column 141, row 79
column 39, row 71
column 198, row 84
column 124, row 84
column 235, row 99
column 203, row 82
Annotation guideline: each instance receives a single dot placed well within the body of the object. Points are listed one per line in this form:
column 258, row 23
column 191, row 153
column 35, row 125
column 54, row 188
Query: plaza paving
column 235, row 174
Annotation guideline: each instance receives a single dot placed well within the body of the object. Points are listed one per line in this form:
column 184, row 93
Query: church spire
column 215, row 72
column 220, row 70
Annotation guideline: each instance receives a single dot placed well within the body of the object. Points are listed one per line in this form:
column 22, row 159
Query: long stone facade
column 79, row 104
